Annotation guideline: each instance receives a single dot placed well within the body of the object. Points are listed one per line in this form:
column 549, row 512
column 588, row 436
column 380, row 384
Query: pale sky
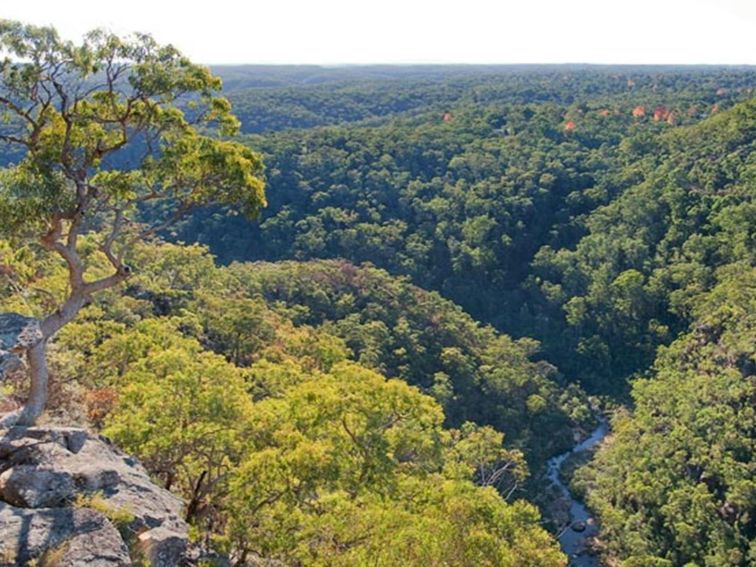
column 420, row 31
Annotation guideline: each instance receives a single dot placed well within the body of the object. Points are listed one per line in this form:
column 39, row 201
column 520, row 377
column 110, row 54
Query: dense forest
column 482, row 194
column 294, row 441
column 608, row 213
column 457, row 271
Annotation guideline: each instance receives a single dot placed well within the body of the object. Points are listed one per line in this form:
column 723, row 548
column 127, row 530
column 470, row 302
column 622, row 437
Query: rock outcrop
column 70, row 498
column 59, row 536
column 17, row 334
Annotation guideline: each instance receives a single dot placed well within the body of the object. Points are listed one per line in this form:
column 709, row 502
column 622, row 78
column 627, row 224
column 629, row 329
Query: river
column 573, row 542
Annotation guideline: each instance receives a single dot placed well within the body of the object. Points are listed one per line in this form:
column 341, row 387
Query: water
column 573, row 542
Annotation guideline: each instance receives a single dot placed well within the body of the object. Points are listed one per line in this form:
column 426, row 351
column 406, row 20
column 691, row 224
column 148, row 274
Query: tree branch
column 51, row 241
column 107, row 282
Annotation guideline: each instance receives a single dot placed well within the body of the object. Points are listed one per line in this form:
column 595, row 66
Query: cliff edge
column 70, row 498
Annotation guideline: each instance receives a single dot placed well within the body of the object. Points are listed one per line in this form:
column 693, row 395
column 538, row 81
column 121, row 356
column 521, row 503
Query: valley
column 364, row 315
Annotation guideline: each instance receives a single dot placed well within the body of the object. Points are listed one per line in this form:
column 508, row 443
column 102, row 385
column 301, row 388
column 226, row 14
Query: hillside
column 282, row 408
column 675, row 485
column 626, row 287
column 388, row 324
column 475, row 207
column 625, row 245
column 443, row 280
column 273, row 98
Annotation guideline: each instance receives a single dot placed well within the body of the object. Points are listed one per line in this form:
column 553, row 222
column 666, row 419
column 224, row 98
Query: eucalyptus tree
column 101, row 128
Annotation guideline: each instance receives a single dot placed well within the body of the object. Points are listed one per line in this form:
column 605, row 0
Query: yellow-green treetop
column 74, row 112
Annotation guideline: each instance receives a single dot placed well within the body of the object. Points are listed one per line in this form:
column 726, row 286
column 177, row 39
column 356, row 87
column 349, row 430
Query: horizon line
column 469, row 64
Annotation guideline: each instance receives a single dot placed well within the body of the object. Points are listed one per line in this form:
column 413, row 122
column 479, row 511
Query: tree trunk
column 36, row 357
column 39, row 377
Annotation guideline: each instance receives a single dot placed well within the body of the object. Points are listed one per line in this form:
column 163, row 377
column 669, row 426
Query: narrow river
column 582, row 525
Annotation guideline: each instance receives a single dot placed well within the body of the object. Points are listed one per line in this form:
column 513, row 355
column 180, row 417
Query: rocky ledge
column 69, row 498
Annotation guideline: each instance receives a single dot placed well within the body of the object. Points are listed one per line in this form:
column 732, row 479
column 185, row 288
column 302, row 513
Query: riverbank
column 580, row 526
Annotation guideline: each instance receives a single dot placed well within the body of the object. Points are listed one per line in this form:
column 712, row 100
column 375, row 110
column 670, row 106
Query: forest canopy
column 459, row 272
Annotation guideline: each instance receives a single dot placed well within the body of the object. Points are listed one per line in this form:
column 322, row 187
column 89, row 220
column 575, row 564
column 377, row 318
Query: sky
column 332, row 32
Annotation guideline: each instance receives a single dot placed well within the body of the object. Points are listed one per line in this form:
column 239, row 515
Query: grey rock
column 94, row 479
column 47, row 469
column 73, row 537
column 71, row 439
column 96, row 465
column 9, row 363
column 17, row 334
column 162, row 547
column 33, row 487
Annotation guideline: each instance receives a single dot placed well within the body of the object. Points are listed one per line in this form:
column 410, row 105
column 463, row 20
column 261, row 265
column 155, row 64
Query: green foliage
column 627, row 286
column 677, row 481
column 279, row 444
column 183, row 412
column 524, row 224
column 324, row 411
column 319, row 314
column 101, row 128
column 404, row 332
column 72, row 108
column 349, row 468
column 270, row 98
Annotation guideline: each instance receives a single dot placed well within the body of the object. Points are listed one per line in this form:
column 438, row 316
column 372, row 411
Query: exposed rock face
column 59, row 536
column 161, row 546
column 18, row 331
column 17, row 334
column 48, row 477
column 31, row 487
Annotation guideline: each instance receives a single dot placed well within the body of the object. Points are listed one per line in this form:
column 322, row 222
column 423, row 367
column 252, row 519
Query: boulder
column 161, row 547
column 74, row 537
column 578, row 526
column 18, row 333
column 29, row 486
